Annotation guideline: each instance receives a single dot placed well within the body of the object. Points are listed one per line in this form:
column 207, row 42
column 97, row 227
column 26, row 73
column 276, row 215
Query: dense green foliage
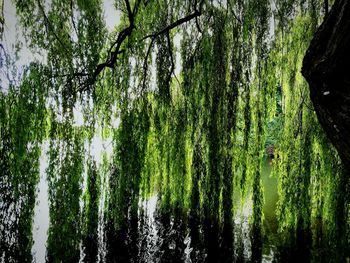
column 195, row 134
column 22, row 130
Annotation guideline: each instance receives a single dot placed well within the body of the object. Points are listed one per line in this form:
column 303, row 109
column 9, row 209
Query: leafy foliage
column 192, row 94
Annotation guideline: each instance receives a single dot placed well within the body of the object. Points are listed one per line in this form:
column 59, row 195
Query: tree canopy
column 193, row 95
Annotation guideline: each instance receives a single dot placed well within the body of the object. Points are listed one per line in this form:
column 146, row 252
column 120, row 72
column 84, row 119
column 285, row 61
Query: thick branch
column 130, row 13
column 111, row 62
column 173, row 25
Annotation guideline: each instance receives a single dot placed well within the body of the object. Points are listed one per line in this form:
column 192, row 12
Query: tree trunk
column 326, row 67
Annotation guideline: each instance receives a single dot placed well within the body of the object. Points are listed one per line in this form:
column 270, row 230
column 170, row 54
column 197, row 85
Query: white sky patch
column 272, row 21
column 153, row 67
column 219, row 3
column 178, row 61
column 74, row 33
column 112, row 15
column 11, row 37
column 41, row 210
column 99, row 146
column 115, row 122
column 12, row 34
column 78, row 115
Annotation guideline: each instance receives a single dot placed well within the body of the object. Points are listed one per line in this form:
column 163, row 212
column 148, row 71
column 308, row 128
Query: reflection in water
column 153, row 235
column 270, row 221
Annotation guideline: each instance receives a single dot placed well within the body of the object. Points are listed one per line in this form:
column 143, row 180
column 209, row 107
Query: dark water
column 158, row 237
column 155, row 236
column 270, row 224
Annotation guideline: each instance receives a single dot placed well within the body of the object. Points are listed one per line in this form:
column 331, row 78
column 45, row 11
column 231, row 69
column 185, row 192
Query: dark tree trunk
column 326, row 67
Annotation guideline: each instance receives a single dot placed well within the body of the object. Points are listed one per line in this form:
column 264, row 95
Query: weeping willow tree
column 22, row 131
column 191, row 95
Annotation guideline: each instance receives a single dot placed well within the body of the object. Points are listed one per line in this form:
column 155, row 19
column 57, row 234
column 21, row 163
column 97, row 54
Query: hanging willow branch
column 87, row 79
column 49, row 27
column 124, row 34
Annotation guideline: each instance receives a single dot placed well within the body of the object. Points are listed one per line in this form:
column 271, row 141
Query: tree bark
column 326, row 67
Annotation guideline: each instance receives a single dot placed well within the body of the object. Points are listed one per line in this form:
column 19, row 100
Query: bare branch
column 173, row 25
column 113, row 55
column 111, row 62
column 130, row 13
column 122, row 36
